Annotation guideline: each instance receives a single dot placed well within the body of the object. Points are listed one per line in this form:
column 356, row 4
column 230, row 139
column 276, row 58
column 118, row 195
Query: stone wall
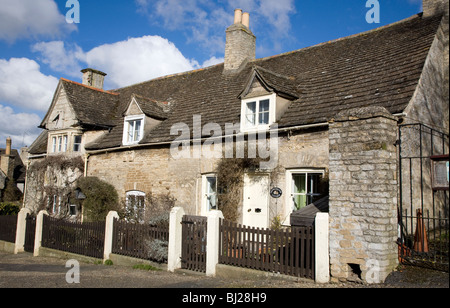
column 363, row 195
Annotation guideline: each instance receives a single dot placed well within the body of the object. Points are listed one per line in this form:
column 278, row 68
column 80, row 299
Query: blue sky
column 137, row 40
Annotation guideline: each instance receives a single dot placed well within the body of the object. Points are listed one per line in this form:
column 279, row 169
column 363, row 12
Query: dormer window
column 133, row 129
column 258, row 113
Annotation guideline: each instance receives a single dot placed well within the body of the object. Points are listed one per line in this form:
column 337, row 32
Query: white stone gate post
column 20, row 230
column 109, row 225
column 322, row 253
column 213, row 242
column 38, row 235
column 175, row 239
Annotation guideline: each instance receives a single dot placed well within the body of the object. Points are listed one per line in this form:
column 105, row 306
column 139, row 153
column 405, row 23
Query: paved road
column 26, row 271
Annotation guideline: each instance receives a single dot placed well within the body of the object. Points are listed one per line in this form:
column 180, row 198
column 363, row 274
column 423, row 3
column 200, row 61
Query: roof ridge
column 89, row 87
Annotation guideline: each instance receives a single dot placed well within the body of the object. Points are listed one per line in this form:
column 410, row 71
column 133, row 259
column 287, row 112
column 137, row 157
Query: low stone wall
column 7, row 247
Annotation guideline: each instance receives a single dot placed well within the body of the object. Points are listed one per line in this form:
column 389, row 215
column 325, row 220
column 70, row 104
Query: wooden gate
column 30, row 231
column 193, row 254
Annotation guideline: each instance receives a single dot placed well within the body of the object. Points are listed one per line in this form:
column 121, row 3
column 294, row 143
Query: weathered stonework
column 154, row 170
column 363, row 195
column 240, row 46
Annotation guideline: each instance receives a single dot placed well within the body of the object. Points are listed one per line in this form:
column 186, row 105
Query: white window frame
column 65, row 143
column 245, row 127
column 54, row 144
column 135, row 193
column 60, row 143
column 289, row 188
column 206, row 195
column 127, row 127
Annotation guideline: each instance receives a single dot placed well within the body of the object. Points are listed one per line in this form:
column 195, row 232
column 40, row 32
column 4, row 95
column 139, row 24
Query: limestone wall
column 363, row 195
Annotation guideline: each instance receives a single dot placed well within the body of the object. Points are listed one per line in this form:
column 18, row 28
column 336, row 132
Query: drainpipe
column 86, row 159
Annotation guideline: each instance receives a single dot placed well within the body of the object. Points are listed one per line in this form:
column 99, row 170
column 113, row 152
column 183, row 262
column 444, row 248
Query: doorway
column 256, row 200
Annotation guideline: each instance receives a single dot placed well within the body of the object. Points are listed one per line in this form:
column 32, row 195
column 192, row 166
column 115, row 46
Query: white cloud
column 138, row 59
column 21, row 127
column 212, row 61
column 277, row 13
column 59, row 58
column 126, row 62
column 31, row 19
column 23, row 85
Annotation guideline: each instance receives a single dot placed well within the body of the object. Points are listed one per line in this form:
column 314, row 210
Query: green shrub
column 108, row 262
column 9, row 208
column 101, row 198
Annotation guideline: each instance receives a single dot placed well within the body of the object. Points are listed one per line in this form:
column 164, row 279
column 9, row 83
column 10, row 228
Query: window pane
column 264, row 118
column 211, row 185
column 54, row 144
column 77, row 144
column 299, row 181
column 137, row 132
column 264, row 106
column 299, row 202
column 211, row 193
column 65, row 144
column 250, row 114
column 251, row 107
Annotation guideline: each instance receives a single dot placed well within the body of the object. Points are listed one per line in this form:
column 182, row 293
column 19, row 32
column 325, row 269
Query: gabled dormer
column 141, row 116
column 265, row 99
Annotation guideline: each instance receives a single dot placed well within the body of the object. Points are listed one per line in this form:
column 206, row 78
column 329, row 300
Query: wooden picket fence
column 80, row 238
column 8, row 226
column 132, row 240
column 289, row 252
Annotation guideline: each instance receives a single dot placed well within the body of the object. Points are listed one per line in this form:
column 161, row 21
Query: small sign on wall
column 440, row 172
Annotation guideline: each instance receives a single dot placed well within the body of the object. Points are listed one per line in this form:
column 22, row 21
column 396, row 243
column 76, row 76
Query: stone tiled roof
column 39, row 146
column 93, row 107
column 381, row 67
column 152, row 108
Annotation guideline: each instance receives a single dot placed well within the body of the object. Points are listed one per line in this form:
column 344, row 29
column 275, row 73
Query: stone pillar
column 38, row 234
column 109, row 234
column 20, row 230
column 175, row 239
column 363, row 195
column 322, row 257
column 213, row 242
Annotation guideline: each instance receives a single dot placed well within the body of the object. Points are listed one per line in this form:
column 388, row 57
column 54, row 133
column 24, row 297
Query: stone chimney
column 6, row 161
column 432, row 7
column 93, row 78
column 241, row 42
column 8, row 146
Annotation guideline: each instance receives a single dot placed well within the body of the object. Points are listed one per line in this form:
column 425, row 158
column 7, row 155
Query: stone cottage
column 293, row 128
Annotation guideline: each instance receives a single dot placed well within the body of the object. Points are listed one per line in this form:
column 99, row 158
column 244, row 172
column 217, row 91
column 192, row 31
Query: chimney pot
column 237, row 16
column 246, row 20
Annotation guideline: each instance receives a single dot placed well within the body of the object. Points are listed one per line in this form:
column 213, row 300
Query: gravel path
column 26, row 271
